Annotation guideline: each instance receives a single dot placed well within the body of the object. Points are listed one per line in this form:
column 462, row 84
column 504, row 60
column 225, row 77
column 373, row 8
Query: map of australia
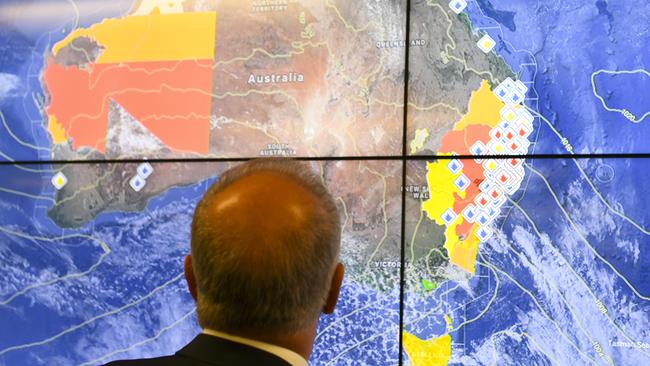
column 453, row 257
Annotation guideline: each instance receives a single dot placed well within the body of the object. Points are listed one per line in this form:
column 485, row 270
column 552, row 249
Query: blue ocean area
column 504, row 17
column 146, row 251
column 548, row 84
column 565, row 42
column 623, row 91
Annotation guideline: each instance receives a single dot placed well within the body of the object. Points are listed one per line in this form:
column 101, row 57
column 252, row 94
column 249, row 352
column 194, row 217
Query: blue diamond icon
column 469, row 213
column 449, row 216
column 145, row 170
column 137, row 183
column 455, row 166
column 458, row 5
column 484, row 234
column 462, row 182
column 484, row 219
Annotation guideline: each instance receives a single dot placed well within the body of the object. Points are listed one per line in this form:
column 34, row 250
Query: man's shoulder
column 207, row 350
column 174, row 360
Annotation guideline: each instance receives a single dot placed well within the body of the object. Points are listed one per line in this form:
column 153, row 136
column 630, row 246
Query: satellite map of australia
column 488, row 158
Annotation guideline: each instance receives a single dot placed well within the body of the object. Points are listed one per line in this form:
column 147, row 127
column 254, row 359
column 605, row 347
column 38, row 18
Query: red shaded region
column 459, row 142
column 170, row 98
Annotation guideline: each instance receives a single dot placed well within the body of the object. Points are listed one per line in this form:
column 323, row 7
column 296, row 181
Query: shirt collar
column 288, row 355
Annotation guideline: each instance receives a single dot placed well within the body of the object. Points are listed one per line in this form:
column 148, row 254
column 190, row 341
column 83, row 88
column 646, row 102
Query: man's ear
column 335, row 289
column 189, row 276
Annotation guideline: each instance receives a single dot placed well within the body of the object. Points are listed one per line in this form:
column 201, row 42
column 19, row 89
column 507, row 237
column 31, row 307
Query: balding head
column 265, row 244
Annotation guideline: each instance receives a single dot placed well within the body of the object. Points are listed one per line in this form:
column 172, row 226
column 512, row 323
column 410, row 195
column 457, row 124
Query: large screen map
column 489, row 160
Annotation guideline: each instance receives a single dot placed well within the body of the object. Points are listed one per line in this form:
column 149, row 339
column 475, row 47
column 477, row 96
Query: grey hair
column 289, row 289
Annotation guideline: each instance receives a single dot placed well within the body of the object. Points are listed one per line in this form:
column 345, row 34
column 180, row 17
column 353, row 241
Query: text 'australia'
column 291, row 77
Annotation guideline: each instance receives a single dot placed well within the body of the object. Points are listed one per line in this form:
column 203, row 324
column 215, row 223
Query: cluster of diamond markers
column 140, row 179
column 503, row 177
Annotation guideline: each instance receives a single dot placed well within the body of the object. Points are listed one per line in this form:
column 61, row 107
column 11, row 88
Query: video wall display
column 472, row 235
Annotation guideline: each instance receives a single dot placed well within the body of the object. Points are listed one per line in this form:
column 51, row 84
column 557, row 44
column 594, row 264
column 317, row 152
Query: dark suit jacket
column 207, row 350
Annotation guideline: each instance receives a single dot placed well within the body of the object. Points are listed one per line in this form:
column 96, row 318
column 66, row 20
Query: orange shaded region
column 170, row 98
column 460, row 141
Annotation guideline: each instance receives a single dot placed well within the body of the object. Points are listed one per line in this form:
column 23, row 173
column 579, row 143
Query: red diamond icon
column 524, row 131
column 504, row 178
column 510, row 135
column 482, row 200
column 514, row 146
column 495, row 193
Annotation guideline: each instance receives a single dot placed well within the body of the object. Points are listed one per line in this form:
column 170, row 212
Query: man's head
column 265, row 249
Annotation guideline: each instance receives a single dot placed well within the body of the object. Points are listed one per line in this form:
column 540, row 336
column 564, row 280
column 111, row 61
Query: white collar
column 286, row 354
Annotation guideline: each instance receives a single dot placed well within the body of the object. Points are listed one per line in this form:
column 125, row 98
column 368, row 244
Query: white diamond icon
column 526, row 118
column 509, row 114
column 482, row 200
column 483, row 218
column 484, row 234
column 508, row 84
column 469, row 213
column 486, row 43
column 462, row 182
column 455, row 166
column 137, row 183
column 457, row 6
column 449, row 216
column 478, row 148
column 517, row 97
column 485, row 186
column 501, row 92
column 521, row 86
column 59, row 180
column 145, row 170
column 524, row 131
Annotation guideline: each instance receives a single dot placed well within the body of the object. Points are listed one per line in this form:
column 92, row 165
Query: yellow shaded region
column 484, row 109
column 442, row 196
column 441, row 190
column 449, row 321
column 462, row 253
column 156, row 37
column 433, row 352
column 56, row 131
column 421, row 136
column 159, row 6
